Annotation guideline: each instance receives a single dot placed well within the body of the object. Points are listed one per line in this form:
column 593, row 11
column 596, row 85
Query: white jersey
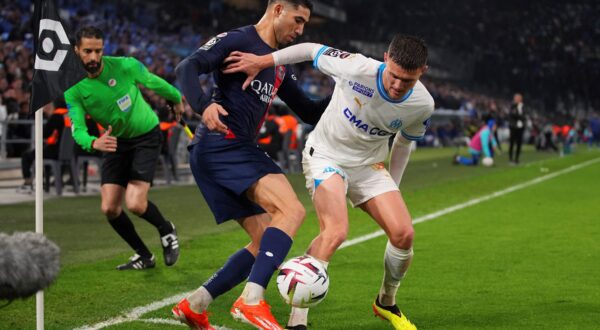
column 358, row 122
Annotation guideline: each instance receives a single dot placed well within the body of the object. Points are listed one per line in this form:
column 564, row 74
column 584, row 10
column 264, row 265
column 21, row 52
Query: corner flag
column 56, row 65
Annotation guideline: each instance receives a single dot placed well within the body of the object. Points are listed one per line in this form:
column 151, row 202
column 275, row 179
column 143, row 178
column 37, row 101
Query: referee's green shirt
column 113, row 98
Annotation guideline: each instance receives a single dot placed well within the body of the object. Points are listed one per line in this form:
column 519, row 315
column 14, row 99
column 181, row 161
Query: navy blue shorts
column 224, row 174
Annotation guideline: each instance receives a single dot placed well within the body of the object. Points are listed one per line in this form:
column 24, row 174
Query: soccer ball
column 488, row 161
column 303, row 281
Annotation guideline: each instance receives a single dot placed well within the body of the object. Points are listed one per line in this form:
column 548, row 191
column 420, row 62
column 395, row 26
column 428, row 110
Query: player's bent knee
column 136, row 207
column 110, row 211
column 403, row 239
column 295, row 212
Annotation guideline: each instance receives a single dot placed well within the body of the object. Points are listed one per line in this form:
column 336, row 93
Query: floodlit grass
column 528, row 259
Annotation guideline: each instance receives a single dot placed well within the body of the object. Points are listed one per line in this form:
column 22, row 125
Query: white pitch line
column 472, row 202
column 136, row 313
column 161, row 321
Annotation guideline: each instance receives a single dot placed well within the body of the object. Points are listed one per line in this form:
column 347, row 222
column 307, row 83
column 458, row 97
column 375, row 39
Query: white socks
column 199, row 300
column 299, row 316
column 396, row 262
column 253, row 293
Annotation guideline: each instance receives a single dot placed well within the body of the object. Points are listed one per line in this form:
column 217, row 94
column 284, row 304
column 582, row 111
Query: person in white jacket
column 344, row 155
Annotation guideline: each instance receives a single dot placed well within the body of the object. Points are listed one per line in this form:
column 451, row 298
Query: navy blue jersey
column 246, row 108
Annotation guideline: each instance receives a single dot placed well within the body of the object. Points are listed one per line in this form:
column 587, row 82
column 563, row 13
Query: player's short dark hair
column 408, row 52
column 304, row 3
column 88, row 32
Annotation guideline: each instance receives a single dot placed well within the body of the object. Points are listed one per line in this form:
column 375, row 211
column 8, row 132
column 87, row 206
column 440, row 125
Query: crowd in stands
column 549, row 52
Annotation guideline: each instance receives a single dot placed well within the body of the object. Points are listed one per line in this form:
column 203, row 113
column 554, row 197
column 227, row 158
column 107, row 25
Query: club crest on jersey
column 396, row 124
column 360, row 124
column 280, row 72
column 112, row 82
column 362, row 89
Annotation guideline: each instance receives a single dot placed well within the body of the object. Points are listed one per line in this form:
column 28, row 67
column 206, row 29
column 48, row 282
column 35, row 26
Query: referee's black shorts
column 135, row 159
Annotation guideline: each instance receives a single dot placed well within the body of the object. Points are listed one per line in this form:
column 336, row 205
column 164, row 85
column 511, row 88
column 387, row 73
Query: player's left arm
column 151, row 81
column 403, row 142
column 308, row 110
column 399, row 157
column 330, row 61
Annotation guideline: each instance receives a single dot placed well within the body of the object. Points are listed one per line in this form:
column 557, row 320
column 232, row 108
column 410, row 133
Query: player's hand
column 177, row 110
column 210, row 118
column 247, row 63
column 106, row 143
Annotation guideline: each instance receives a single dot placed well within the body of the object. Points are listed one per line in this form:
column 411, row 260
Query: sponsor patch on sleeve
column 213, row 41
column 337, row 53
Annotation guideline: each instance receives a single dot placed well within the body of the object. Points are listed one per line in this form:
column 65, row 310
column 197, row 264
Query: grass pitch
column 529, row 259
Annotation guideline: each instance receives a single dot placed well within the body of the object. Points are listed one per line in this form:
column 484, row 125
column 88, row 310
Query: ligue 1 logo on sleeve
column 52, row 36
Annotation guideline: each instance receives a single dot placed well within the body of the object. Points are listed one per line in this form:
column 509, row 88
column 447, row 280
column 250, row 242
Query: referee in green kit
column 131, row 143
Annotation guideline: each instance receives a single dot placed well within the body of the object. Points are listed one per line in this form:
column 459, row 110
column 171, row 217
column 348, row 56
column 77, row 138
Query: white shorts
column 362, row 182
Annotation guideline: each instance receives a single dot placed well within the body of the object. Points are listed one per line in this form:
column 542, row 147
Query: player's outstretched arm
column 399, row 157
column 252, row 64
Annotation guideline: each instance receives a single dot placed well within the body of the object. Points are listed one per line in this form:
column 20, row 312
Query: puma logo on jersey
column 360, row 105
column 358, row 123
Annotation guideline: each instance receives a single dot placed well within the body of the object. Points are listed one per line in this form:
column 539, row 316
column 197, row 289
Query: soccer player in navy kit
column 237, row 179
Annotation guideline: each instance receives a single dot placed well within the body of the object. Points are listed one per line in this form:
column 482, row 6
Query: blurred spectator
column 289, row 124
column 270, row 137
column 595, row 128
column 52, row 132
column 3, row 116
column 18, row 131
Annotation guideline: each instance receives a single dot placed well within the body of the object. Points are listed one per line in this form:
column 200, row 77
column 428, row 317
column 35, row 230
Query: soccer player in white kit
column 344, row 155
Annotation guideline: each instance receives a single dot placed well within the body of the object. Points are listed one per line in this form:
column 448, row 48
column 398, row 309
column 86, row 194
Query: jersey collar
column 382, row 91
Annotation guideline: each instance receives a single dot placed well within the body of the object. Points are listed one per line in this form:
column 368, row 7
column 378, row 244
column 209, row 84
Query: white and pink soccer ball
column 488, row 161
column 303, row 281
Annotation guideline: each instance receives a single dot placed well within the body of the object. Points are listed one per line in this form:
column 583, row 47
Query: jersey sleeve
column 308, row 110
column 205, row 59
column 416, row 131
column 340, row 64
column 151, row 81
column 79, row 128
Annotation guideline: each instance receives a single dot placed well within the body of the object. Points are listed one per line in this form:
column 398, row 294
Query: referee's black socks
column 124, row 227
column 153, row 216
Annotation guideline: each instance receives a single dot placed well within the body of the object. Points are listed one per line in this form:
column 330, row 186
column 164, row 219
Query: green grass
column 529, row 259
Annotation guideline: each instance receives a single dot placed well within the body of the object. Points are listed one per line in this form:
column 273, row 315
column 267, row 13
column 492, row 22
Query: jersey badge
column 396, row 124
column 124, row 103
column 213, row 41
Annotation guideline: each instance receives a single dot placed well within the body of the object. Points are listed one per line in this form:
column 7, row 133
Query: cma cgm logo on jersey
column 360, row 124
